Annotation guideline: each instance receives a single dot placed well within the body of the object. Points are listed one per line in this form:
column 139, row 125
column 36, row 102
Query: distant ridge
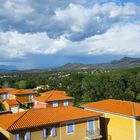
column 7, row 68
column 126, row 62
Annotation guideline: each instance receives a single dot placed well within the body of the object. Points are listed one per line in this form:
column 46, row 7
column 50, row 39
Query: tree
column 22, row 84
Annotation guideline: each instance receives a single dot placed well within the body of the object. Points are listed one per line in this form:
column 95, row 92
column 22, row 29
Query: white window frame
column 55, row 103
column 65, row 102
column 67, row 128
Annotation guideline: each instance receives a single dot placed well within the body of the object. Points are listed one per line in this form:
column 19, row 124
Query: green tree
column 22, row 84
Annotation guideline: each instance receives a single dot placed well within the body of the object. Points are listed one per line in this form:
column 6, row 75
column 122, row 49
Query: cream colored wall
column 138, row 129
column 36, row 134
column 11, row 97
column 6, row 106
column 119, row 127
column 79, row 133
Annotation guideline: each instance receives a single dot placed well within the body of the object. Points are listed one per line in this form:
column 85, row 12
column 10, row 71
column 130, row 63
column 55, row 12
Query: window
column 14, row 109
column 31, row 97
column 17, row 136
column 70, row 127
column 27, row 135
column 49, row 132
column 55, row 104
column 90, row 125
column 5, row 96
column 65, row 103
column 53, row 131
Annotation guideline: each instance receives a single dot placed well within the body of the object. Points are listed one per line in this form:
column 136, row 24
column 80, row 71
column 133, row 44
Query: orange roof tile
column 52, row 97
column 12, row 102
column 22, row 91
column 41, row 117
column 54, row 92
column 127, row 108
column 3, row 90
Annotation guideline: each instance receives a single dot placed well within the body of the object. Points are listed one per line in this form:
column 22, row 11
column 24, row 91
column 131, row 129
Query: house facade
column 11, row 105
column 63, row 123
column 52, row 100
column 23, row 96
column 120, row 120
column 4, row 93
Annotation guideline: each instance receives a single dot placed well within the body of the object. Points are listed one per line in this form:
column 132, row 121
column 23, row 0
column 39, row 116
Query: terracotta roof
column 54, row 92
column 127, row 108
column 22, row 91
column 41, row 117
column 3, row 90
column 12, row 102
column 52, row 97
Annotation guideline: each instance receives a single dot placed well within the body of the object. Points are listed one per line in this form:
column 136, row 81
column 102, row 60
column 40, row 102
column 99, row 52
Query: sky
column 50, row 33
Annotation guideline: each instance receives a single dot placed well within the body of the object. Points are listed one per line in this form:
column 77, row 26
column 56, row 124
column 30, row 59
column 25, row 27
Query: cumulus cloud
column 80, row 19
column 15, row 44
column 120, row 39
column 68, row 28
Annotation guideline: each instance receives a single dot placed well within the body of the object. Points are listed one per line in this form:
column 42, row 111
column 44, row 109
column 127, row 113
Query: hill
column 125, row 62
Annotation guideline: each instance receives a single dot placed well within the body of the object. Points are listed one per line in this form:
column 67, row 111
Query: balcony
column 91, row 135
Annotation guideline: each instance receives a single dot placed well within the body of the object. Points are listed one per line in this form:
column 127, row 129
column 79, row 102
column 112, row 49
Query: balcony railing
column 94, row 134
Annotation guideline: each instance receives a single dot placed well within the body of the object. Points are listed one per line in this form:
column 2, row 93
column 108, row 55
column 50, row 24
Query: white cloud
column 120, row 39
column 15, row 44
column 80, row 19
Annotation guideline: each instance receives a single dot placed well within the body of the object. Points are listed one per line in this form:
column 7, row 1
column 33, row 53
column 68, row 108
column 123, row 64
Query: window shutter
column 44, row 133
column 17, row 136
column 53, row 131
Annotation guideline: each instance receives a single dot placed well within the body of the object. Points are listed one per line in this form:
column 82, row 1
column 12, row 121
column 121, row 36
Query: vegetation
column 85, row 86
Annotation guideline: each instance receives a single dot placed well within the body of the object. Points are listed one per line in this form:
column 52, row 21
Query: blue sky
column 49, row 33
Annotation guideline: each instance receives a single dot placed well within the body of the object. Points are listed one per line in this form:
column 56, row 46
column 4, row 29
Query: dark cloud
column 40, row 16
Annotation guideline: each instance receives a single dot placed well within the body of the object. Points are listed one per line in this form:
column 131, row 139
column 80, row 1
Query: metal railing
column 93, row 134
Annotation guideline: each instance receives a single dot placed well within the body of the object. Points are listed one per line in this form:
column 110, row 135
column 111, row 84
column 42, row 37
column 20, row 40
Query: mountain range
column 126, row 62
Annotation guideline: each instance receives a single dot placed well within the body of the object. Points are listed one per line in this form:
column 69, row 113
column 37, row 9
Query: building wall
column 6, row 106
column 116, row 127
column 39, row 104
column 60, row 103
column 12, row 97
column 24, row 98
column 138, row 129
column 119, row 127
column 79, row 133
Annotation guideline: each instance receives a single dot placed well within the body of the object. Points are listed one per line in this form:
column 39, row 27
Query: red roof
column 12, row 102
column 5, row 90
column 22, row 91
column 41, row 117
column 52, row 97
column 55, row 92
column 127, row 108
